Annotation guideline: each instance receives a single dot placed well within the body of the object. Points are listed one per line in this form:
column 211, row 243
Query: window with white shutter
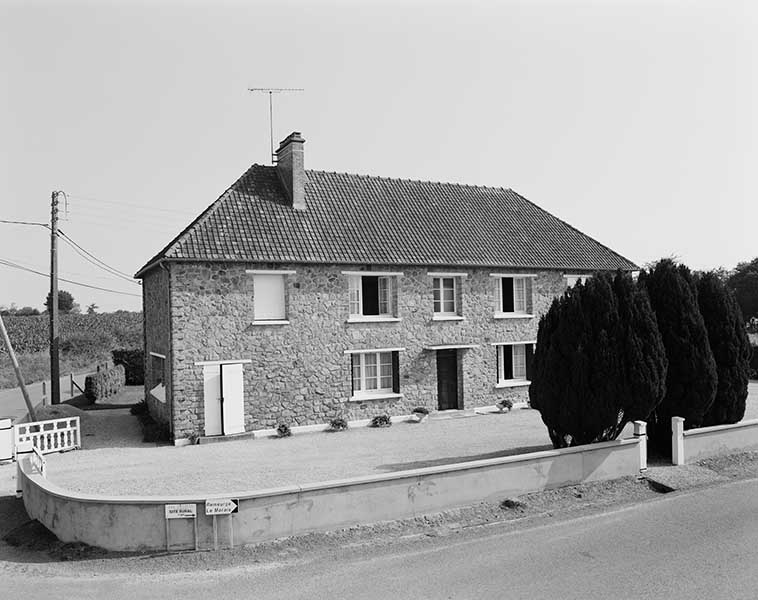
column 269, row 298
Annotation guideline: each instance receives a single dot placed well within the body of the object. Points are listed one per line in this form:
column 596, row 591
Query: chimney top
column 290, row 166
column 295, row 136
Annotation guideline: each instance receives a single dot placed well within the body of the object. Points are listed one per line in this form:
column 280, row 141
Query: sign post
column 222, row 506
column 180, row 511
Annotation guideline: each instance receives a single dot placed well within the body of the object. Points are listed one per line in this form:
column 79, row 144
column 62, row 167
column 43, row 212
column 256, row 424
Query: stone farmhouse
column 299, row 296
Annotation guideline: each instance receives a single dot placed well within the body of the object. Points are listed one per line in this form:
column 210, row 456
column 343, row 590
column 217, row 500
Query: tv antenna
column 271, row 92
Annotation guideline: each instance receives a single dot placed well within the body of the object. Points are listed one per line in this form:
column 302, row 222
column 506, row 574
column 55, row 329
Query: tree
column 744, row 282
column 599, row 361
column 66, row 302
column 27, row 311
column 730, row 347
column 92, row 309
column 691, row 376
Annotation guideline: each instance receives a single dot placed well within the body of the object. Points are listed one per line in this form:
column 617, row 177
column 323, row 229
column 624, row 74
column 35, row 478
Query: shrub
column 134, row 364
column 140, row 408
column 730, row 346
column 420, row 410
column 337, row 424
column 381, row 421
column 505, row 404
column 599, row 361
column 104, row 383
column 283, row 430
column 754, row 363
column 691, row 378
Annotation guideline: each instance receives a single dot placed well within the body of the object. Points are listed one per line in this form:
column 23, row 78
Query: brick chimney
column 290, row 167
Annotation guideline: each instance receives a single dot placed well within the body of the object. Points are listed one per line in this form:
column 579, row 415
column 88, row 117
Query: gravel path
column 134, row 468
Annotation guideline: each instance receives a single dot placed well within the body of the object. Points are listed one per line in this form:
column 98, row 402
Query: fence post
column 71, row 384
column 677, row 441
column 44, row 393
column 23, row 450
column 640, row 431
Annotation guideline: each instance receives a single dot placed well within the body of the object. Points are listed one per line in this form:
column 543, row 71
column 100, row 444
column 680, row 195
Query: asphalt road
column 12, row 400
column 701, row 544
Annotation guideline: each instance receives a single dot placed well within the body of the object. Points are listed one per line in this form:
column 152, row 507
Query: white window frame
column 571, row 279
column 518, row 312
column 438, row 286
column 387, row 290
column 376, row 359
column 272, row 272
column 518, row 364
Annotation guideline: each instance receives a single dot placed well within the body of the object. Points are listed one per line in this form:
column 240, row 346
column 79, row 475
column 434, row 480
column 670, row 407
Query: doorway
column 223, row 394
column 447, row 379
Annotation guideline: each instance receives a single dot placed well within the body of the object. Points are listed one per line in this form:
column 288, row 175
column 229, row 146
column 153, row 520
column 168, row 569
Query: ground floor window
column 375, row 373
column 514, row 362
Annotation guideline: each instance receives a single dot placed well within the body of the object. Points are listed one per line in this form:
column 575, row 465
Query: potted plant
column 283, row 430
column 505, row 405
column 338, row 424
column 421, row 413
column 381, row 421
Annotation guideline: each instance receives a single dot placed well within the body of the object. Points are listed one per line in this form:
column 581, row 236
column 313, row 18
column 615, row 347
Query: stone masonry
column 300, row 373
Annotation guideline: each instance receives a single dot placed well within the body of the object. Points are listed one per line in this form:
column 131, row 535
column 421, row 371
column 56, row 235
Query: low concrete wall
column 695, row 444
column 138, row 523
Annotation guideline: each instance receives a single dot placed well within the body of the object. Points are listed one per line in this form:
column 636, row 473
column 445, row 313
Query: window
column 158, row 376
column 444, row 295
column 375, row 374
column 572, row 280
column 514, row 295
column 514, row 363
column 269, row 297
column 373, row 297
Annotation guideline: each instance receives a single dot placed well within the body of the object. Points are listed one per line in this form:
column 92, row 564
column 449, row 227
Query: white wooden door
column 233, row 409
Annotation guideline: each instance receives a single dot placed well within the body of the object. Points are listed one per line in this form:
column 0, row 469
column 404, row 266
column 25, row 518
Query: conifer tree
column 691, row 376
column 599, row 361
column 730, row 347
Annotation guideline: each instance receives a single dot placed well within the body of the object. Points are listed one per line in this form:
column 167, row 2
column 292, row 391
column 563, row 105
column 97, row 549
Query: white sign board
column 181, row 511
column 222, row 506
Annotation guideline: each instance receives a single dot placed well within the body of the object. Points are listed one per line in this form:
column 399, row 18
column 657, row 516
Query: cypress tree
column 691, row 376
column 730, row 347
column 599, row 361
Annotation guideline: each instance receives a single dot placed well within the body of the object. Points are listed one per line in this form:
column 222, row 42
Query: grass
column 36, row 366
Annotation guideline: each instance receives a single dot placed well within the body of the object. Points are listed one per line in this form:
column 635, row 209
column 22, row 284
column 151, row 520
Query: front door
column 224, row 399
column 447, row 379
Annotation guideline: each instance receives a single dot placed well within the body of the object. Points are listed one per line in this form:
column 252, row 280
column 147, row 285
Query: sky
column 634, row 121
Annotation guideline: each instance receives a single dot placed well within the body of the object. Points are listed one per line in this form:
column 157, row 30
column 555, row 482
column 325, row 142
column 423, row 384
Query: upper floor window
column 444, row 296
column 513, row 295
column 372, row 295
column 270, row 296
column 572, row 280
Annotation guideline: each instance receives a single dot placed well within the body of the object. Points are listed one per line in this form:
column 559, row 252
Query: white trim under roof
column 452, row 347
column 532, row 275
column 270, row 271
column 373, row 273
column 211, row 363
column 370, row 350
column 163, row 356
column 433, row 274
column 513, row 343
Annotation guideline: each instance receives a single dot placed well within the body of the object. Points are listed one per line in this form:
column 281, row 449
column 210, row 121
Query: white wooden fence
column 55, row 435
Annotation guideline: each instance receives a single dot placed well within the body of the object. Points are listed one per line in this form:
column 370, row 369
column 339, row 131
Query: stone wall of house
column 299, row 373
column 155, row 298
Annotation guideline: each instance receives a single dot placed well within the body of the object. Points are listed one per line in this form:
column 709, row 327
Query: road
column 702, row 544
column 12, row 401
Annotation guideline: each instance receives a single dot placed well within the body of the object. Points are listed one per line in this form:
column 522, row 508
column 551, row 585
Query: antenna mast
column 271, row 92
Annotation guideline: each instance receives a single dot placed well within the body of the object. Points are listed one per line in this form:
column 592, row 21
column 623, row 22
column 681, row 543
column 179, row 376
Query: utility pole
column 17, row 369
column 55, row 377
column 271, row 92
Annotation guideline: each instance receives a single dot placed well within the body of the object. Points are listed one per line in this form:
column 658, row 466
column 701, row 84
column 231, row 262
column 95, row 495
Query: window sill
column 447, row 318
column 369, row 397
column 513, row 316
column 277, row 322
column 373, row 319
column 509, row 383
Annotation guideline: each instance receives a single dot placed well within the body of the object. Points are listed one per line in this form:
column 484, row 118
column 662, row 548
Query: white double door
column 223, row 388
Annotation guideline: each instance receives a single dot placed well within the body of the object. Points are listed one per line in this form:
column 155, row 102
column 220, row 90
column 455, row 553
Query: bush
column 134, row 364
column 152, row 431
column 505, row 404
column 106, row 382
column 691, row 378
column 730, row 346
column 140, row 408
column 283, row 430
column 599, row 361
column 381, row 421
column 338, row 424
column 754, row 363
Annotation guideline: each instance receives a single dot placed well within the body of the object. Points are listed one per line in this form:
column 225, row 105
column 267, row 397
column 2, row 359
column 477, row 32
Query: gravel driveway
column 134, row 468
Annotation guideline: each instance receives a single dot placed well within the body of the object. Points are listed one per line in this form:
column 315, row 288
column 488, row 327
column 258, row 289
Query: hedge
column 133, row 362
column 31, row 334
column 754, row 363
column 104, row 383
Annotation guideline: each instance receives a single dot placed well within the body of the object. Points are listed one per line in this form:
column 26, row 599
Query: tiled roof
column 355, row 219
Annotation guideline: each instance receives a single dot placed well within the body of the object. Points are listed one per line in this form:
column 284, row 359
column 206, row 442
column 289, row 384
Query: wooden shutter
column 507, row 294
column 268, row 298
column 396, row 372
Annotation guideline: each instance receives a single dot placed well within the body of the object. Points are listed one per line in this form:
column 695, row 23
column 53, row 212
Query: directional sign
column 181, row 511
column 221, row 506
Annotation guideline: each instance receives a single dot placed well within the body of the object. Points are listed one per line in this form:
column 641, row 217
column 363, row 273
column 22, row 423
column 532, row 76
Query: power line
column 102, row 264
column 128, row 204
column 45, row 225
column 68, row 272
column 8, row 263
